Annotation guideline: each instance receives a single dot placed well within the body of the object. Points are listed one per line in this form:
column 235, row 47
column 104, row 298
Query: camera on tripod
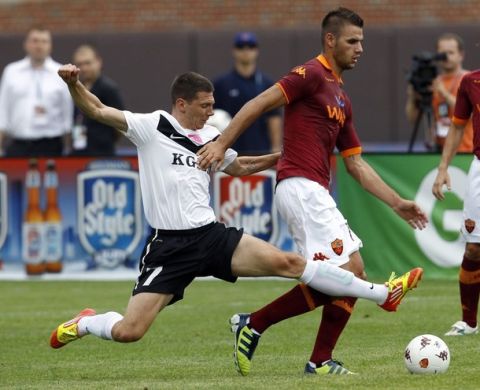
column 421, row 75
column 423, row 72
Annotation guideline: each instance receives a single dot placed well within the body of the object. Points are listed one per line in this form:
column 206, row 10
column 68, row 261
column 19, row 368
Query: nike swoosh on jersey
column 173, row 136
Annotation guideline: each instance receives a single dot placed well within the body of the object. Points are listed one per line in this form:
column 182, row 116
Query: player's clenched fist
column 69, row 73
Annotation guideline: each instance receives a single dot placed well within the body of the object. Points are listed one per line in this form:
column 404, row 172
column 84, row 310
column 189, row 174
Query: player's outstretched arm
column 213, row 153
column 454, row 137
column 88, row 103
column 248, row 165
column 361, row 171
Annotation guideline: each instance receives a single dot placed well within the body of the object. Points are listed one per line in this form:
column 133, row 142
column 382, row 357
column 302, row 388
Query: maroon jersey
column 468, row 104
column 318, row 117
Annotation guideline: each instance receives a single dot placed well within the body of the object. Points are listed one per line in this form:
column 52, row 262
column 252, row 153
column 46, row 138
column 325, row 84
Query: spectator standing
column 35, row 106
column 241, row 84
column 90, row 137
column 444, row 88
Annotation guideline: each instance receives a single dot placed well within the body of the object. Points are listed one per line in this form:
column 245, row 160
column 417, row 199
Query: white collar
column 198, row 137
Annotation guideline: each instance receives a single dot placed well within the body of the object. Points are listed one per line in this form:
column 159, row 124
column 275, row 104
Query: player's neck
column 245, row 70
column 337, row 70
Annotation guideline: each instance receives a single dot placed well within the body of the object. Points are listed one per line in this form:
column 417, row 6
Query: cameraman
column 444, row 88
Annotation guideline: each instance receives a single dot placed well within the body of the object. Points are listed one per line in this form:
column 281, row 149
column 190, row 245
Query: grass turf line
column 190, row 347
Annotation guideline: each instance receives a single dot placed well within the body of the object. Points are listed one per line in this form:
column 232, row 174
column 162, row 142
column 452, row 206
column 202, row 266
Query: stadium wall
column 151, row 15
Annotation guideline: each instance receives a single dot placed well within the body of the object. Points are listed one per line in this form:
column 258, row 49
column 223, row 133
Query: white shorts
column 319, row 229
column 471, row 204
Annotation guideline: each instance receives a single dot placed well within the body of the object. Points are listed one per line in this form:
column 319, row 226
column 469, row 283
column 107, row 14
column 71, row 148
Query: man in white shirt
column 36, row 110
column 186, row 239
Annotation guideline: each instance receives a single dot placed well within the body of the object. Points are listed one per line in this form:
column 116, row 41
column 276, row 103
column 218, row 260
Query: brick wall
column 149, row 15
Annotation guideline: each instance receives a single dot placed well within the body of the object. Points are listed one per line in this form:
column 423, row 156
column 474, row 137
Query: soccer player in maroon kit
column 467, row 104
column 318, row 118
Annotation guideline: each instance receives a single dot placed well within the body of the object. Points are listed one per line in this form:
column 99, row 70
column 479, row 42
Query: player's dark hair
column 334, row 21
column 187, row 85
column 455, row 37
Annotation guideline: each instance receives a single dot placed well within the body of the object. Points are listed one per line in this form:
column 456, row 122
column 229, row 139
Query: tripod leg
column 413, row 137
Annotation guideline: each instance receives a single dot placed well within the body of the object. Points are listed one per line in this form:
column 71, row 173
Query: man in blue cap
column 242, row 83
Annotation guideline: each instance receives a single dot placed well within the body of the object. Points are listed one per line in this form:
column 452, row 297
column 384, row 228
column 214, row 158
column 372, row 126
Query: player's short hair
column 334, row 21
column 187, row 85
column 455, row 37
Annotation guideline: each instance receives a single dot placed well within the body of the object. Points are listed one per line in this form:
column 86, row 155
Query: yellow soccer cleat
column 68, row 331
column 399, row 286
column 246, row 342
column 331, row 367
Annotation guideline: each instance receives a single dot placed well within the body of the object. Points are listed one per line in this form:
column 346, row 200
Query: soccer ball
column 427, row 354
column 220, row 119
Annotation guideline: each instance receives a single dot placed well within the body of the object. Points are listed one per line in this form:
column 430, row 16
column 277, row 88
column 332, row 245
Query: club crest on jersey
column 469, row 225
column 109, row 214
column 247, row 202
column 337, row 246
column 3, row 208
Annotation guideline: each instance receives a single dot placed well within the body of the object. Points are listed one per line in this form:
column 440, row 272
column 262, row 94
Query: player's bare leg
column 141, row 311
column 140, row 314
column 469, row 281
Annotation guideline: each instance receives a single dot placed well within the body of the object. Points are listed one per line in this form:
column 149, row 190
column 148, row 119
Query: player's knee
column 127, row 334
column 290, row 265
column 472, row 251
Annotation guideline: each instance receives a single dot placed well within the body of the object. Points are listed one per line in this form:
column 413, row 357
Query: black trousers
column 42, row 147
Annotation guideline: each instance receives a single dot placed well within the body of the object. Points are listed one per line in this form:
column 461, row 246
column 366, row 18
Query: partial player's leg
column 254, row 257
column 335, row 316
column 140, row 314
column 469, row 283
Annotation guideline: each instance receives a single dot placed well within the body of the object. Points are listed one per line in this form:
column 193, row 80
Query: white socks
column 99, row 325
column 336, row 281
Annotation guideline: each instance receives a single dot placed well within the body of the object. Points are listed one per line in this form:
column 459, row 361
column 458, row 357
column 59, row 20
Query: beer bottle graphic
column 52, row 221
column 32, row 229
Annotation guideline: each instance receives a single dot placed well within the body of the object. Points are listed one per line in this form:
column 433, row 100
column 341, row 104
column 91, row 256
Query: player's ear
column 330, row 40
column 180, row 104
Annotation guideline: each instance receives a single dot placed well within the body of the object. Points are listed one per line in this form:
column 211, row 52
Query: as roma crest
column 469, row 225
column 337, row 246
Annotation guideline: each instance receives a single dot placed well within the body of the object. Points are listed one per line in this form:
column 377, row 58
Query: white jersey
column 175, row 192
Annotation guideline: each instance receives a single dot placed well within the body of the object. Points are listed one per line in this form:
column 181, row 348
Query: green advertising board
column 389, row 243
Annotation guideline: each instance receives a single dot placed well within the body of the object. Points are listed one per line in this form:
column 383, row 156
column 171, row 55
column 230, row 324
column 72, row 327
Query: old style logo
column 3, row 208
column 247, row 202
column 469, row 225
column 337, row 246
column 109, row 214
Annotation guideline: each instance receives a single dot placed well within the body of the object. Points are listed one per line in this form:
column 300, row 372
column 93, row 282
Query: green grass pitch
column 190, row 346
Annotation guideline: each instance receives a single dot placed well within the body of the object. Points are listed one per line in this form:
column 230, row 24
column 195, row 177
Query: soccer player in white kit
column 466, row 105
column 186, row 239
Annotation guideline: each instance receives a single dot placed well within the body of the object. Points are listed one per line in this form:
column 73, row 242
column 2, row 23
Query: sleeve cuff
column 459, row 121
column 283, row 91
column 352, row 151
